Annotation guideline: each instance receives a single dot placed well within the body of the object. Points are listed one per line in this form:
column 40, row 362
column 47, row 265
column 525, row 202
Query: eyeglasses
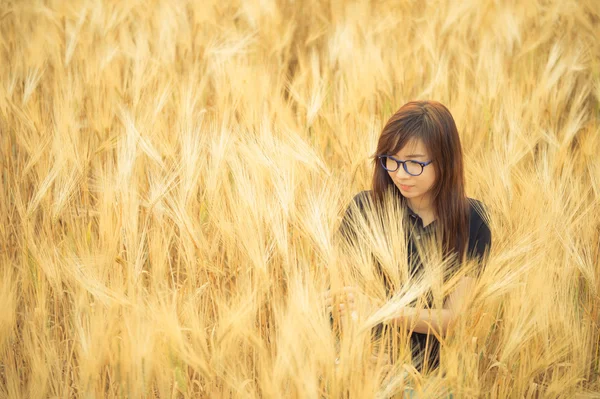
column 413, row 168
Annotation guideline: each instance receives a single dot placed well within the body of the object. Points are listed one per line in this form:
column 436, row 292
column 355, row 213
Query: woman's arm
column 426, row 321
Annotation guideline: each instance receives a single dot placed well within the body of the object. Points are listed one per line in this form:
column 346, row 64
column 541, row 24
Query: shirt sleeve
column 345, row 231
column 482, row 247
column 357, row 211
column 483, row 242
column 354, row 209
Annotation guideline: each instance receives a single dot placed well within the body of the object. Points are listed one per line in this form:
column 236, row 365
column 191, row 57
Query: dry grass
column 173, row 173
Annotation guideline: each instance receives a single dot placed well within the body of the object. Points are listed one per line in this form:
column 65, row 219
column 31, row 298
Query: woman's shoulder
column 356, row 208
column 480, row 235
column 362, row 202
column 363, row 196
column 478, row 212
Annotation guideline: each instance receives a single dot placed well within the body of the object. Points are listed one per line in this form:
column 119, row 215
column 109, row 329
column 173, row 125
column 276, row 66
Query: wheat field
column 173, row 174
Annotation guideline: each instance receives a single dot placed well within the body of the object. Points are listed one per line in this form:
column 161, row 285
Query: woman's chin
column 408, row 193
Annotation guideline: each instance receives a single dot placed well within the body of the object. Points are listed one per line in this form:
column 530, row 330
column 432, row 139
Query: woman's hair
column 431, row 122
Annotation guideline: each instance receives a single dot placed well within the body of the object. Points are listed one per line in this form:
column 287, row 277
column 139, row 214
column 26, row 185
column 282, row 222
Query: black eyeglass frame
column 383, row 158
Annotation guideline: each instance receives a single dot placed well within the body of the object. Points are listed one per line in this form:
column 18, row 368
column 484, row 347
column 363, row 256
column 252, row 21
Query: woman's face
column 415, row 188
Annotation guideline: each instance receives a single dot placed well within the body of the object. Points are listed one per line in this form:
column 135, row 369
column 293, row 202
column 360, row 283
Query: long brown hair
column 431, row 122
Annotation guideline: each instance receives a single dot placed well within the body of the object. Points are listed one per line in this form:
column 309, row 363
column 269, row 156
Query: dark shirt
column 478, row 246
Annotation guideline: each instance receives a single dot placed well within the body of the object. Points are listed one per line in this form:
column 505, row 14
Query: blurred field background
column 173, row 174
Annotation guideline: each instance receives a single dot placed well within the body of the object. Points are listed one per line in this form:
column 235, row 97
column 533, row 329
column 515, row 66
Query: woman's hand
column 342, row 301
column 348, row 300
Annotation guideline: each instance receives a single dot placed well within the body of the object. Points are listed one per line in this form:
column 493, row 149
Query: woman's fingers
column 341, row 308
column 344, row 298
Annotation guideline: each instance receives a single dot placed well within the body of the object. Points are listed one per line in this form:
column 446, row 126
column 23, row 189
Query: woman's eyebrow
column 415, row 156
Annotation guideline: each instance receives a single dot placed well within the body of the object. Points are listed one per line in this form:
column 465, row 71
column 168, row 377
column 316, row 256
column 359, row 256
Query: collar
column 411, row 213
column 413, row 217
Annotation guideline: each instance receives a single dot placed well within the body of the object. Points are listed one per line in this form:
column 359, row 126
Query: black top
column 478, row 246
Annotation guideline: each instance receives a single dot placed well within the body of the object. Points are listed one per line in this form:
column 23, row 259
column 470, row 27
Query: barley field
column 173, row 174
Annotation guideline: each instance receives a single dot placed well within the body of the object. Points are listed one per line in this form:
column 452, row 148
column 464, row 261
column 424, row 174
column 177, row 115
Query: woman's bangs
column 405, row 135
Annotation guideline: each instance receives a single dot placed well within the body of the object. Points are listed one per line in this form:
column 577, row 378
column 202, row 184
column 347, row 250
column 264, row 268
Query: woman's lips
column 405, row 188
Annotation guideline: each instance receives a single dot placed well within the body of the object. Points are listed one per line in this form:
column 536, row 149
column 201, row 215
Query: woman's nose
column 401, row 173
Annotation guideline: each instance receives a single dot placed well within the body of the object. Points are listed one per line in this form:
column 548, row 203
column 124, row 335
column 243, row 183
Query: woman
column 419, row 159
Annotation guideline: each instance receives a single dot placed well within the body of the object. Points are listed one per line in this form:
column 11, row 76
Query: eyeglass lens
column 411, row 167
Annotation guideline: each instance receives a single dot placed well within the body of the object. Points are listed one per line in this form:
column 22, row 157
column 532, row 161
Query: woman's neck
column 423, row 208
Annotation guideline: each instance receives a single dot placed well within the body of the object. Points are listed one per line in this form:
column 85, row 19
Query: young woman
column 419, row 159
